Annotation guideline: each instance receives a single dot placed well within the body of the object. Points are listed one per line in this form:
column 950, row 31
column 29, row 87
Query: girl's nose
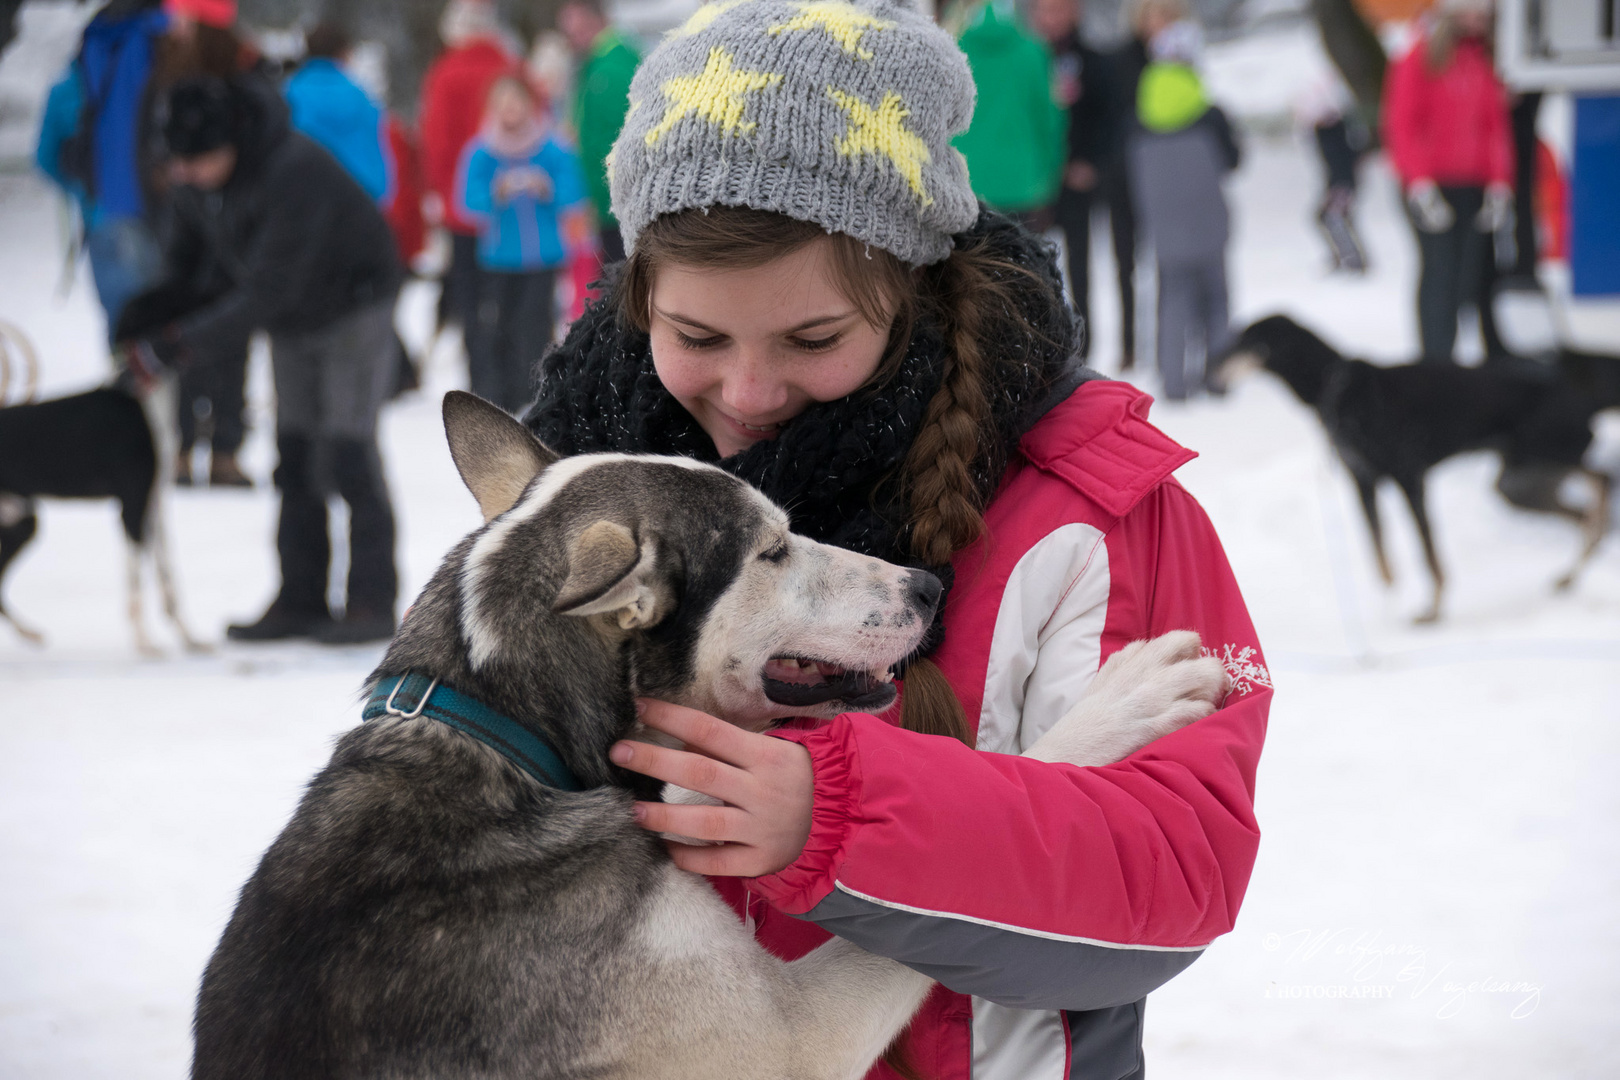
column 751, row 387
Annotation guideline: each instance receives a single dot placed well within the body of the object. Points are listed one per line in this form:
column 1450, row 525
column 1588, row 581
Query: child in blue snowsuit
column 529, row 192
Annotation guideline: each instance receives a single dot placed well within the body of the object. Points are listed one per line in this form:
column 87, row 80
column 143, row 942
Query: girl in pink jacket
column 1446, row 126
column 814, row 300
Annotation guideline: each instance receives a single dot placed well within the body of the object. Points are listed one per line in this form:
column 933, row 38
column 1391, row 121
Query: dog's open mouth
column 798, row 682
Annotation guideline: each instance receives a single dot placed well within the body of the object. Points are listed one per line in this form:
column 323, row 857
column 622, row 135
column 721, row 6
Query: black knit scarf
column 834, row 466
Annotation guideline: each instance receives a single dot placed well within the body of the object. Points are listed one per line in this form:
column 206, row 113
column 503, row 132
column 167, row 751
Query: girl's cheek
column 682, row 375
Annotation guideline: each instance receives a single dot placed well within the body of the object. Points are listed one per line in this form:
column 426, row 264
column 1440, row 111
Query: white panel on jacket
column 1047, row 643
column 1018, row 1044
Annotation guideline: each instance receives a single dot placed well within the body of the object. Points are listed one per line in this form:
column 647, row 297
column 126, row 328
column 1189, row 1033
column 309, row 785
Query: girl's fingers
column 710, row 734
column 729, row 860
column 695, row 772
column 723, row 824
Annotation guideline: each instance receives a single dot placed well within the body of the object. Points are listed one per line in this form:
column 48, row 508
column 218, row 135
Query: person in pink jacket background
column 1446, row 127
column 828, row 313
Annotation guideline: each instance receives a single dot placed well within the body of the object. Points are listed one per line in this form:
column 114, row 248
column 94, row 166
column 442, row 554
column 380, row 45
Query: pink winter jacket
column 1449, row 126
column 1047, row 899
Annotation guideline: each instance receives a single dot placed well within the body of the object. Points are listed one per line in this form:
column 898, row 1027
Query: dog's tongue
column 857, row 689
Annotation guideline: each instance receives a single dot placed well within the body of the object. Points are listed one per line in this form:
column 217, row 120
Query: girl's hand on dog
column 767, row 785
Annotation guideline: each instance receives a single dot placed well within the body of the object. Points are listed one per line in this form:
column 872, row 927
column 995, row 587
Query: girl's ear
column 496, row 455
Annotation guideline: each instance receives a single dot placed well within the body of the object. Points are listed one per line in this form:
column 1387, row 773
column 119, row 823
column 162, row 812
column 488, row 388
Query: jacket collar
column 1100, row 442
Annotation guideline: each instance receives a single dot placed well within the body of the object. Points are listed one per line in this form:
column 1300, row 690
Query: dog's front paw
column 1145, row 691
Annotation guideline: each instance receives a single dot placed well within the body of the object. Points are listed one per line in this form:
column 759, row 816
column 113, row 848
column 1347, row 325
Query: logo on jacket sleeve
column 1243, row 667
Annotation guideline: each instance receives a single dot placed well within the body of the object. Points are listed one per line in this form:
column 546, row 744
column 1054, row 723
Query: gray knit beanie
column 830, row 112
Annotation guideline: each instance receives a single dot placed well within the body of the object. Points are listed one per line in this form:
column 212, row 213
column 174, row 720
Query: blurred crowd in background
column 224, row 192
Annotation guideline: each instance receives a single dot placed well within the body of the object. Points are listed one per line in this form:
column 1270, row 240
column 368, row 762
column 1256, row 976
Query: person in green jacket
column 1016, row 145
column 607, row 62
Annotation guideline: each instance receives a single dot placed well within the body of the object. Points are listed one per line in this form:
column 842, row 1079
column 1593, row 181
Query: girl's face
column 745, row 351
column 511, row 108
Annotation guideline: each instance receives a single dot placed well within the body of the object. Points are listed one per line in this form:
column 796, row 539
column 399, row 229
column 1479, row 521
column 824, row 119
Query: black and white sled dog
column 101, row 444
column 1398, row 422
column 450, row 905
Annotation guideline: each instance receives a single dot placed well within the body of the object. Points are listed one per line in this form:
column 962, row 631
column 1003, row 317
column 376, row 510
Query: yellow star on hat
column 715, row 94
column 882, row 131
column 845, row 23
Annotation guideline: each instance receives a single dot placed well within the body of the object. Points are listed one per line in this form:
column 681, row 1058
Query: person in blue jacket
column 528, row 192
column 94, row 143
column 325, row 103
column 330, row 107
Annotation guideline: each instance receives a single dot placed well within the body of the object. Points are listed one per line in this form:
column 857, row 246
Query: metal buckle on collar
column 388, row 705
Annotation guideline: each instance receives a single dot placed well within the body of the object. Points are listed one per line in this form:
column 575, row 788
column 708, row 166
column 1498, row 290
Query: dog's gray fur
column 432, row 911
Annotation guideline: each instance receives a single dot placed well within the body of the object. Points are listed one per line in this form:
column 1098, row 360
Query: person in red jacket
column 839, row 322
column 453, row 93
column 1446, row 126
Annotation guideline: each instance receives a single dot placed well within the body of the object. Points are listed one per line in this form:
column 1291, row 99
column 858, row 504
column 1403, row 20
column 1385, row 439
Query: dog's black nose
column 924, row 589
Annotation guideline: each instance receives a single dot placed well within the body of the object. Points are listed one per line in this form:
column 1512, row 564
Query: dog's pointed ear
column 496, row 455
column 608, row 571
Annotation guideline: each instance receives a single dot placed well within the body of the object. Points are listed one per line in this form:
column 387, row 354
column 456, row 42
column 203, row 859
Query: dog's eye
column 775, row 554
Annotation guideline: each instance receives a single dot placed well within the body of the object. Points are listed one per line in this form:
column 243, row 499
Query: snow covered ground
column 1437, row 891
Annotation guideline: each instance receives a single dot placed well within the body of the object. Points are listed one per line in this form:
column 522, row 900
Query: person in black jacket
column 311, row 260
column 1084, row 86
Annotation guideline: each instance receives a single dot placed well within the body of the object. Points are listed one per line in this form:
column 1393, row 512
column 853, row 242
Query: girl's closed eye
column 689, row 342
column 818, row 345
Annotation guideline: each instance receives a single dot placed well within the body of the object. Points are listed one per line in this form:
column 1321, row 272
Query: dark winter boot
column 359, row 626
column 281, row 623
column 223, row 471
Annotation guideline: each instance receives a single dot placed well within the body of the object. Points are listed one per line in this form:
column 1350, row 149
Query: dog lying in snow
column 440, row 907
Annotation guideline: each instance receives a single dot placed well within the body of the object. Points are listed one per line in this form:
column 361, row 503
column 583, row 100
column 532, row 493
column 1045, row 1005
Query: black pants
column 1115, row 190
column 1525, row 241
column 1339, row 154
column 330, row 386
column 458, row 290
column 311, row 467
column 516, row 317
column 1453, row 274
column 214, row 389
column 1073, row 213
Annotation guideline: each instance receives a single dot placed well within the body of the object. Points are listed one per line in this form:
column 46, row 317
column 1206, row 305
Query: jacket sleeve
column 439, row 149
column 604, row 100
column 569, row 180
column 1500, row 157
column 1403, row 118
column 276, row 267
column 475, row 184
column 1048, row 886
column 1231, row 149
column 1052, row 120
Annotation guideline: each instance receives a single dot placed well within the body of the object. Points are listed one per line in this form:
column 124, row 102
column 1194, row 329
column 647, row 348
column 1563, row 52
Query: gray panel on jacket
column 1012, row 969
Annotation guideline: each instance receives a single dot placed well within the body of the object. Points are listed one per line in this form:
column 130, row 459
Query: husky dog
column 435, row 911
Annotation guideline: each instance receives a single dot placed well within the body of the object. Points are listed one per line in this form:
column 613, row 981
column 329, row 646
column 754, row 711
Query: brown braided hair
column 969, row 296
